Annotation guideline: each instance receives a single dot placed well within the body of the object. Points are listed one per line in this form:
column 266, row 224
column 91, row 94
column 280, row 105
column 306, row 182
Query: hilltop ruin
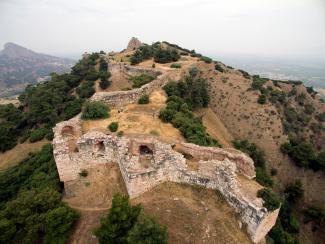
column 146, row 161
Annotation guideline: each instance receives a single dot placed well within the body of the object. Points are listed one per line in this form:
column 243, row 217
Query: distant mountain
column 20, row 66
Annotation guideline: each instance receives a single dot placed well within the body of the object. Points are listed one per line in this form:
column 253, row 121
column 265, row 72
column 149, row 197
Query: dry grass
column 138, row 119
column 215, row 127
column 192, row 214
column 19, row 153
column 8, row 101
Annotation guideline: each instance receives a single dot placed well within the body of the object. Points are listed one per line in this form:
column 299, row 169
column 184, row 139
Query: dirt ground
column 138, row 119
column 191, row 214
column 18, row 153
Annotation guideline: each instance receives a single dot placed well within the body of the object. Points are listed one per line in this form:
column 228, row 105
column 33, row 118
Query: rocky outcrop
column 133, row 44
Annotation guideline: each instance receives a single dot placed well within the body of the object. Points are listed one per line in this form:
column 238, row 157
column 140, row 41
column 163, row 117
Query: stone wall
column 217, row 168
column 120, row 98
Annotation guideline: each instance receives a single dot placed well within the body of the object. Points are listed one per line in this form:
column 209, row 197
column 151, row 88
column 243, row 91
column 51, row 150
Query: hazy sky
column 271, row 28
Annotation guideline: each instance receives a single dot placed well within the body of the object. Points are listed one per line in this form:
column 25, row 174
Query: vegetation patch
column 128, row 224
column 182, row 97
column 113, row 127
column 144, row 99
column 141, row 80
column 271, row 201
column 95, row 110
column 175, row 66
column 258, row 157
column 30, row 202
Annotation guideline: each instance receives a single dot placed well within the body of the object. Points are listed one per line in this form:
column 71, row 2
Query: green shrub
column 294, row 192
column 245, row 74
column 261, row 99
column 271, row 201
column 120, row 133
column 314, row 214
column 144, row 99
column 104, row 84
column 83, row 173
column 113, row 126
column 206, row 59
column 219, row 68
column 175, row 66
column 38, row 134
column 194, row 72
column 95, row 110
column 86, row 89
column 73, row 108
column 141, row 80
column 303, row 154
column 166, row 55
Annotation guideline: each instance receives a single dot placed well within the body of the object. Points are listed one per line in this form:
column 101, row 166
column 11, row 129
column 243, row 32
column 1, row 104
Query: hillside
column 20, row 66
column 162, row 124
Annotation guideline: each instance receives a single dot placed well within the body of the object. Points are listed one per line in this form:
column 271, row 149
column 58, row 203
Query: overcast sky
column 265, row 28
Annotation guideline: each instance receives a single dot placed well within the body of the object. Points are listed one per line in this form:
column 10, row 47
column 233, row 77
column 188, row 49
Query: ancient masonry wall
column 120, row 98
column 146, row 162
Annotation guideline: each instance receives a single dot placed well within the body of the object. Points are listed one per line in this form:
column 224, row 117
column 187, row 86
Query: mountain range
column 20, row 66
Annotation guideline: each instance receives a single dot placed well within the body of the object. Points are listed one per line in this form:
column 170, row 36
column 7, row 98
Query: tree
column 58, row 224
column 95, row 110
column 116, row 225
column 147, row 231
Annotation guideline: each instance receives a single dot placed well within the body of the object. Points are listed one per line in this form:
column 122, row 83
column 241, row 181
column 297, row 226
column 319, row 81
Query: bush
column 294, row 192
column 86, row 89
column 303, row 154
column 113, row 126
column 219, row 68
column 206, row 59
column 194, row 72
column 245, row 74
column 144, row 99
column 261, row 99
column 83, row 173
column 141, row 80
column 166, row 55
column 271, row 201
column 315, row 214
column 95, row 110
column 38, row 134
column 104, row 84
column 176, row 66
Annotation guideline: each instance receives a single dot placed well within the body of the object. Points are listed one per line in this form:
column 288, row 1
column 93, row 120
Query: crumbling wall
column 244, row 164
column 217, row 169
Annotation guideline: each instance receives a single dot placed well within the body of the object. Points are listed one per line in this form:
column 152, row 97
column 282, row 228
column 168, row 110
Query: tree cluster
column 129, row 225
column 182, row 97
column 30, row 202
